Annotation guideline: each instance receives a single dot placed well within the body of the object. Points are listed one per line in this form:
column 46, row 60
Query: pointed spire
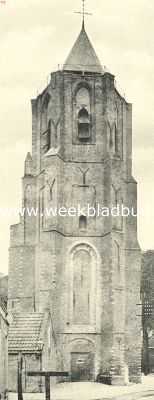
column 28, row 165
column 83, row 56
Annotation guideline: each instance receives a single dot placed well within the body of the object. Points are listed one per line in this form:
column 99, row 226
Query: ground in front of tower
column 93, row 391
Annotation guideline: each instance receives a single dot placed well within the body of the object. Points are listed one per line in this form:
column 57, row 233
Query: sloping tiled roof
column 3, row 304
column 4, row 286
column 24, row 333
column 83, row 56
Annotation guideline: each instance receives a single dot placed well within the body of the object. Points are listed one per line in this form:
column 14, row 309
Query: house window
column 83, row 124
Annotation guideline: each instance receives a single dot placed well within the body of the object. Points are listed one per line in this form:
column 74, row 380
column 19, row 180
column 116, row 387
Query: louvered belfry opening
column 83, row 124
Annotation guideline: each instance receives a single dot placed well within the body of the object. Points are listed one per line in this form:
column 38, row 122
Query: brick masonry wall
column 41, row 266
column 31, row 362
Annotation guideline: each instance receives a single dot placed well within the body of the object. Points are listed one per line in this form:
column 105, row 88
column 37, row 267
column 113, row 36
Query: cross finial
column 83, row 10
column 83, row 13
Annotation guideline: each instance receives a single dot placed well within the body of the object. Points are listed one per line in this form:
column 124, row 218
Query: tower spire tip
column 83, row 13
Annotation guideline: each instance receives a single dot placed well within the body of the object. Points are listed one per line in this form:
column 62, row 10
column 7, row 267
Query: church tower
column 84, row 268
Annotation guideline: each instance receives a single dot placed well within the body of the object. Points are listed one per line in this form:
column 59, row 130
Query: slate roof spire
column 83, row 56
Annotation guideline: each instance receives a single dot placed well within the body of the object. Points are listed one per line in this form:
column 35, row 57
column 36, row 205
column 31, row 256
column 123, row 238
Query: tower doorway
column 82, row 367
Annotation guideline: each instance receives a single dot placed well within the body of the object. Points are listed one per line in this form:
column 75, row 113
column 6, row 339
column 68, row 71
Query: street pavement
column 96, row 391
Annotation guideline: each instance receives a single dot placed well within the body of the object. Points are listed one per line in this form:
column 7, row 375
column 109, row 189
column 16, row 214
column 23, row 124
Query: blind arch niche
column 82, row 279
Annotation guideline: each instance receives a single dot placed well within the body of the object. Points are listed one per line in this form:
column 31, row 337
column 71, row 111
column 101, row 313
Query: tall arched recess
column 83, row 275
column 82, row 264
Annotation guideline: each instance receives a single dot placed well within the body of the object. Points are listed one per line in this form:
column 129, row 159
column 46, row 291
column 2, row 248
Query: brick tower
column 85, row 270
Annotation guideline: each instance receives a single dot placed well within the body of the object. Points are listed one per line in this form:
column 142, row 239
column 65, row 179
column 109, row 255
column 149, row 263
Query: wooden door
column 82, row 367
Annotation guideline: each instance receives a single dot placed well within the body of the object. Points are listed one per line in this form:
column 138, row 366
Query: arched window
column 83, row 124
column 113, row 139
column 110, row 137
column 116, row 144
column 83, row 113
column 44, row 112
column 28, row 194
column 83, row 98
column 117, row 256
column 49, row 135
column 117, row 208
column 82, row 222
column 114, row 196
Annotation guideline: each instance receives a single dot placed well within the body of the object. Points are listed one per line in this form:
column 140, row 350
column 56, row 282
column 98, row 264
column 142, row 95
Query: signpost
column 47, row 375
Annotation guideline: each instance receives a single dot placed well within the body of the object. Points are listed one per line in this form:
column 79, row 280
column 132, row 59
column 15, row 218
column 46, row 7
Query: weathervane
column 83, row 12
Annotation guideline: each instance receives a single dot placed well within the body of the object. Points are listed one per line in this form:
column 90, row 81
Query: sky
column 36, row 36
